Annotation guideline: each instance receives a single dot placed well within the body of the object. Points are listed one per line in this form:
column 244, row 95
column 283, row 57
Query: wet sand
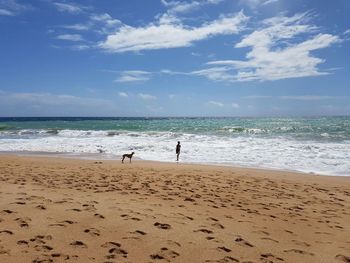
column 65, row 210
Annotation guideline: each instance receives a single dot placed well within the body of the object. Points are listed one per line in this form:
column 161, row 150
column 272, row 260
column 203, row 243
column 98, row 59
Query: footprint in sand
column 299, row 251
column 99, row 216
column 217, row 225
column 92, row 231
column 23, row 222
column 59, row 255
column 204, row 230
column 40, row 239
column 164, row 254
column 269, row 257
column 7, row 232
column 226, row 259
column 22, row 243
column 44, row 248
column 78, row 244
column 224, row 249
column 239, row 240
column 7, row 211
column 114, row 250
column 342, row 258
column 4, row 251
column 300, row 243
column 43, row 259
column 41, row 207
column 63, row 223
column 89, row 207
column 20, row 203
column 75, row 209
column 128, row 217
column 162, row 226
column 69, row 222
column 139, row 232
column 269, row 239
column 173, row 243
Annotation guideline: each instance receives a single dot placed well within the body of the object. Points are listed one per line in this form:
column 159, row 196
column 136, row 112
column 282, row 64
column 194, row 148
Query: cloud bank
column 133, row 76
column 275, row 52
column 170, row 32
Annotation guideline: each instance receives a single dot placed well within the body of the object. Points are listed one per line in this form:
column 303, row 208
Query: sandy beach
column 65, row 210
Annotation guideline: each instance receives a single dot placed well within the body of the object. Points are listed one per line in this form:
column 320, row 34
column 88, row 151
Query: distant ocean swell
column 307, row 145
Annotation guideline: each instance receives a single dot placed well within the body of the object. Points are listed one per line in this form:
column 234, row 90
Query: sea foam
column 277, row 152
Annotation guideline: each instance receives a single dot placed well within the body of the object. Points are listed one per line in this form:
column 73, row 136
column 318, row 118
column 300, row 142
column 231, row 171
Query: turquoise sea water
column 318, row 145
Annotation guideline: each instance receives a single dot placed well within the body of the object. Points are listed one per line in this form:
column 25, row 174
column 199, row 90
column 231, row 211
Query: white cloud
column 195, row 54
column 68, row 7
column 147, row 96
column 257, row 3
column 269, row 2
column 274, row 52
column 104, row 24
column 169, row 32
column 12, row 7
column 4, row 12
column 108, row 23
column 347, row 32
column 235, row 105
column 70, row 37
column 78, row 27
column 185, row 7
column 216, row 103
column 216, row 74
column 172, row 72
column 123, row 94
column 80, row 47
column 99, row 23
column 133, row 76
column 181, row 7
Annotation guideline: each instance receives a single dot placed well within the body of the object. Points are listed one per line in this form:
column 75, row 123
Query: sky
column 174, row 58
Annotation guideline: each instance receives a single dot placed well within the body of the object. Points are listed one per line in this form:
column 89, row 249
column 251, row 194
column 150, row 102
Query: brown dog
column 127, row 156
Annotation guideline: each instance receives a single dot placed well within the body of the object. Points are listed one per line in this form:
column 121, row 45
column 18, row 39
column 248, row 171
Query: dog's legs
column 130, row 159
column 123, row 159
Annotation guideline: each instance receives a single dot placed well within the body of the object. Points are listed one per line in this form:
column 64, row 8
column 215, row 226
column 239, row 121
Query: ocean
column 313, row 145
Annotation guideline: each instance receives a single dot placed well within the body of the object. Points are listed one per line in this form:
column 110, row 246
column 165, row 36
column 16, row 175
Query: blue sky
column 174, row 58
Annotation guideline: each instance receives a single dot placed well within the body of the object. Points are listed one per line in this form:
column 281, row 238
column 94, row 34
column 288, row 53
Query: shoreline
column 111, row 157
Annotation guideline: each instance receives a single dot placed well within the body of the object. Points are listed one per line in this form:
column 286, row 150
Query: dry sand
column 62, row 210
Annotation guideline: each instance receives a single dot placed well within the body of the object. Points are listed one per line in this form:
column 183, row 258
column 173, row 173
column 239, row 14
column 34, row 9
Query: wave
column 244, row 130
column 325, row 157
column 38, row 133
column 4, row 127
column 299, row 133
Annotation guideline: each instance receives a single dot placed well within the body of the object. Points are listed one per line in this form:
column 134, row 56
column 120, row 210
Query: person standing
column 178, row 149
